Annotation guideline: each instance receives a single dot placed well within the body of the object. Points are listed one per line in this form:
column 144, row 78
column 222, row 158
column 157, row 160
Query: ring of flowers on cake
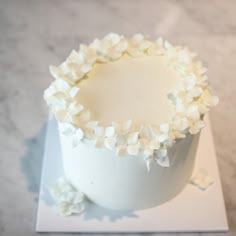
column 191, row 98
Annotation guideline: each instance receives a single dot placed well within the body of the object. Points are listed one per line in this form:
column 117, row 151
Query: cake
column 129, row 114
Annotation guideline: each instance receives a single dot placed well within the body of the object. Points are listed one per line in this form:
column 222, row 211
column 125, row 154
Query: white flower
column 138, row 45
column 110, row 48
column 74, row 91
column 57, row 72
column 197, row 126
column 164, row 128
column 195, row 92
column 193, row 112
column 88, row 56
column 69, row 200
column 77, row 137
column 189, row 82
column 75, row 108
column 202, row 180
column 105, row 136
column 161, row 157
column 76, row 134
column 110, row 131
column 110, row 142
column 132, row 137
column 121, row 150
column 133, row 149
column 68, row 129
column 85, row 116
column 185, row 56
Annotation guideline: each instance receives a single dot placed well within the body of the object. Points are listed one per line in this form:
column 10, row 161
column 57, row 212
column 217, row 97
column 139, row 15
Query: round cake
column 129, row 114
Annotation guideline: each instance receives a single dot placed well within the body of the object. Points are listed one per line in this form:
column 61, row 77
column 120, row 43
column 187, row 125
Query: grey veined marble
column 34, row 34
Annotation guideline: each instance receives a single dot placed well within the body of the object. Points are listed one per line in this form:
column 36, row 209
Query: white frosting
column 186, row 88
column 133, row 82
column 125, row 183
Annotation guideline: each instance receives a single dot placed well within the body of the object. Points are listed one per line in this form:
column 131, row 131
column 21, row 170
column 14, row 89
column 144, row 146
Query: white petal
column 144, row 132
column 196, row 92
column 75, row 57
column 121, row 139
column 62, row 85
column 161, row 152
column 91, row 124
column 164, row 127
column 74, row 91
column 154, row 144
column 163, row 137
column 213, row 100
column 75, row 108
column 197, row 126
column 85, row 116
column 133, row 149
column 122, row 46
column 99, row 131
column 138, row 37
column 127, row 125
column 202, row 180
column 121, row 150
column 56, row 72
column 110, row 142
column 163, row 161
column 99, row 142
column 149, row 162
column 153, row 132
column 86, row 68
column 114, row 38
column 68, row 129
column 193, row 112
column 110, row 131
column 159, row 42
column 79, row 134
column 167, row 45
column 132, row 138
column 143, row 143
column 148, row 152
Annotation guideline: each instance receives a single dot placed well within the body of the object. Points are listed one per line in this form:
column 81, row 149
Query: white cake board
column 192, row 210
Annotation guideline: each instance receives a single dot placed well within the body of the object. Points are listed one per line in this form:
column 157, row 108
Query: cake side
column 125, row 183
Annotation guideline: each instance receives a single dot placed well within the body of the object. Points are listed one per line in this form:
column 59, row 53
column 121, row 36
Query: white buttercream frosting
column 188, row 96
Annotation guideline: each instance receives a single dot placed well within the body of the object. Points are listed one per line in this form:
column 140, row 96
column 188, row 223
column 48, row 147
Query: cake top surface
column 130, row 88
column 130, row 95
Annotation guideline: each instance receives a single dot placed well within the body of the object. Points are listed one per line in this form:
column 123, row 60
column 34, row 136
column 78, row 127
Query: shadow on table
column 31, row 162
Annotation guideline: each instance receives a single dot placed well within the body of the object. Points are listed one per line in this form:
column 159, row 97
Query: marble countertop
column 34, row 34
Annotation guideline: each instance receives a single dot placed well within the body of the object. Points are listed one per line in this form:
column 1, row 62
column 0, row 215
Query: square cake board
column 192, row 210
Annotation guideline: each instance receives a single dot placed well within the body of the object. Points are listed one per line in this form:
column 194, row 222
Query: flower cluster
column 191, row 98
column 70, row 200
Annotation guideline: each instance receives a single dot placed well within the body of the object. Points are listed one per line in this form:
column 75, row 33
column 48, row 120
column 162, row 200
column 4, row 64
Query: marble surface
column 34, row 34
